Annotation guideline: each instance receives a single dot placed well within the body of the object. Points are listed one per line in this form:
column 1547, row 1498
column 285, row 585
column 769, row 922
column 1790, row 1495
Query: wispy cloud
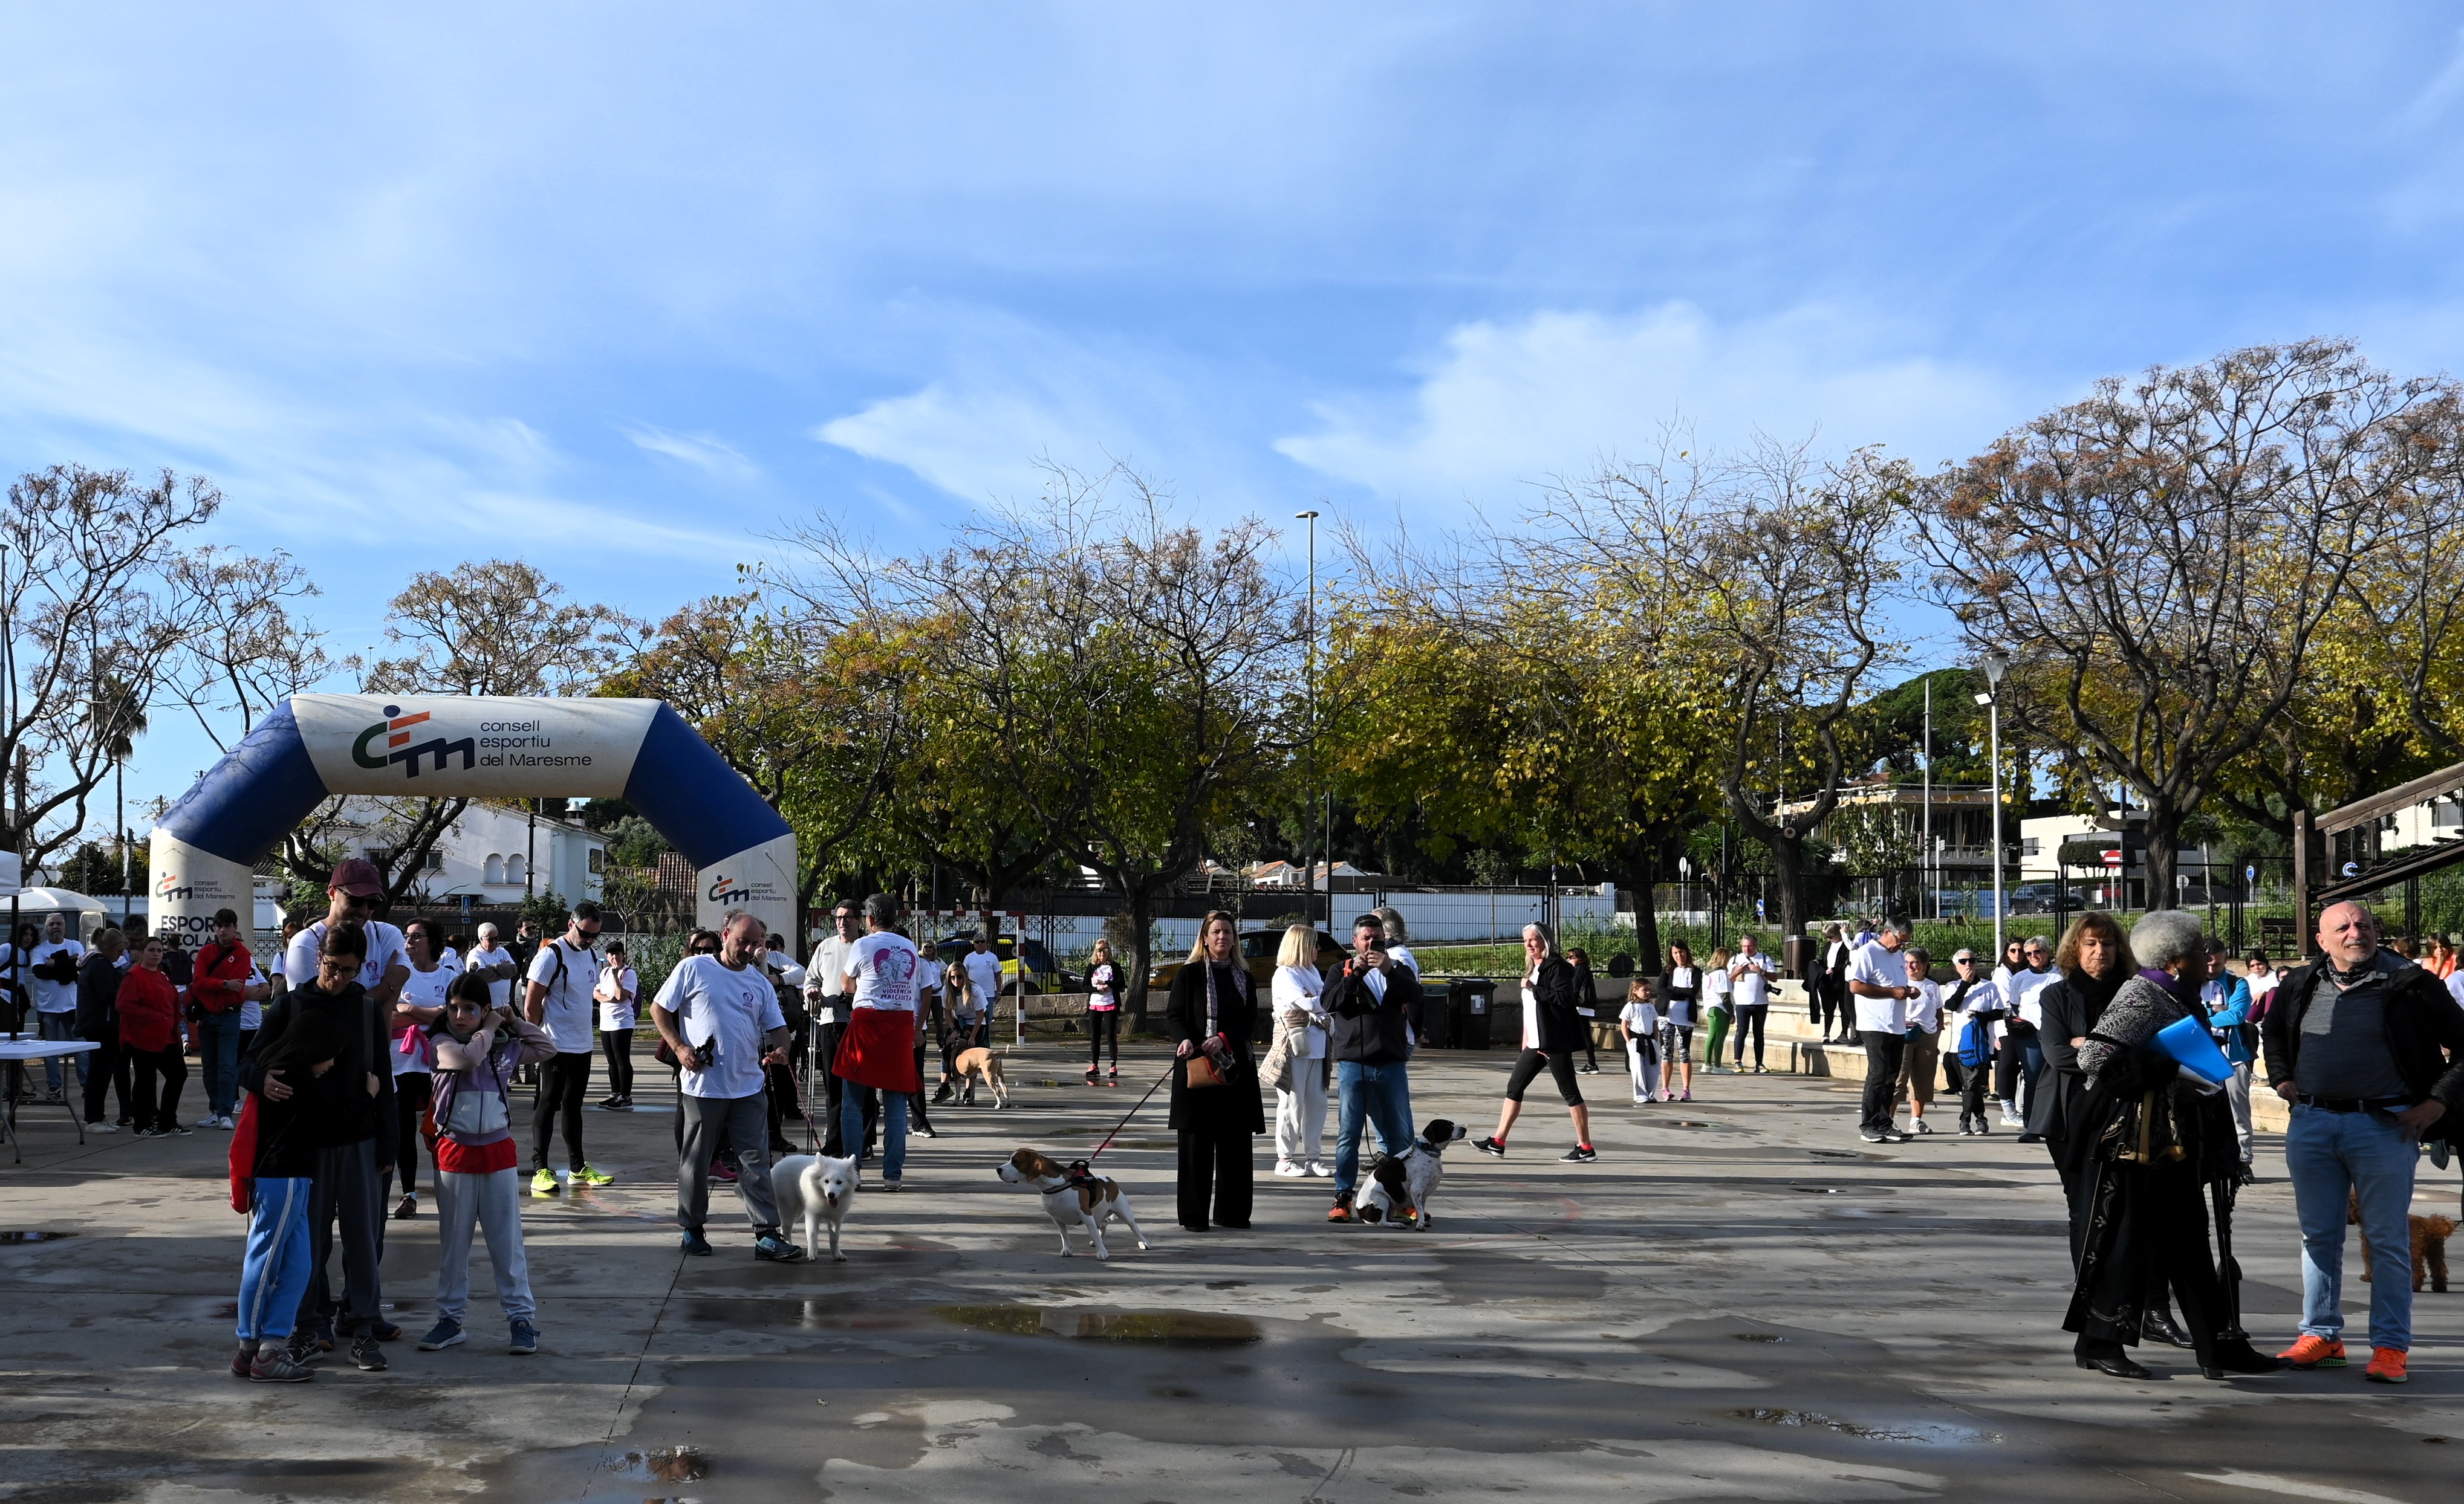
column 703, row 451
column 1502, row 405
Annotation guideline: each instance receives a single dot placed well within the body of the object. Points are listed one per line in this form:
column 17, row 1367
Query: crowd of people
column 365, row 1047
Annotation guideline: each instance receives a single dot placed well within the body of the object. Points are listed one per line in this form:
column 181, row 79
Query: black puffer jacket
column 1361, row 1027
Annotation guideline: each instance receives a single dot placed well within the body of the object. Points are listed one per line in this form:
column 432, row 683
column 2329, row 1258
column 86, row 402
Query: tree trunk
column 2164, row 852
column 1788, row 874
column 1142, row 907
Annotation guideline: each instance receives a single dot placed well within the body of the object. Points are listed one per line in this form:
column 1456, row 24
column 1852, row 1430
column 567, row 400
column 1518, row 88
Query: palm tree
column 116, row 716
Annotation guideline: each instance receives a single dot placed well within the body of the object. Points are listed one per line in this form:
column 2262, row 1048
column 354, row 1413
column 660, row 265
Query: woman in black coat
column 1552, row 1031
column 1212, row 1011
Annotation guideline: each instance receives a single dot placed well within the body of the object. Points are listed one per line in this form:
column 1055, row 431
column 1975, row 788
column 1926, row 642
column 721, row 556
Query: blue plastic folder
column 2188, row 1041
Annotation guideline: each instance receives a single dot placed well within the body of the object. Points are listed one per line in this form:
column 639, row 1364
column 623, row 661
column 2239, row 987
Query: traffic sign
column 2112, row 858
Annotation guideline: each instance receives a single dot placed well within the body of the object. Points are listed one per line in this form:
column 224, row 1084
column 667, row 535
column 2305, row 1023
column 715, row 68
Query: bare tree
column 2159, row 557
column 1786, row 563
column 246, row 652
column 92, row 606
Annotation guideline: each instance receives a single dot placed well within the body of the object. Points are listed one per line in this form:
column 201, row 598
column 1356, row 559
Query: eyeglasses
column 358, row 900
column 592, row 933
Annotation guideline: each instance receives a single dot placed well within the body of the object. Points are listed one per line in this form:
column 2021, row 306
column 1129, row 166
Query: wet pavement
column 1739, row 1302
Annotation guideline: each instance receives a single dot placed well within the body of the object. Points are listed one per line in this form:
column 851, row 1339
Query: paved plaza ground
column 1739, row 1302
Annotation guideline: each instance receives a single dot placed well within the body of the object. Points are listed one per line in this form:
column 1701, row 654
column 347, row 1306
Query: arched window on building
column 516, row 870
column 494, row 869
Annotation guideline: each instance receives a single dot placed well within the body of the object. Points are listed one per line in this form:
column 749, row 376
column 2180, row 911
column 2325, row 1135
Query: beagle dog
column 1397, row 1189
column 1073, row 1196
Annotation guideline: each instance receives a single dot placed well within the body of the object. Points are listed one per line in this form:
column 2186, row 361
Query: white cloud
column 1505, row 405
column 705, row 452
column 973, row 442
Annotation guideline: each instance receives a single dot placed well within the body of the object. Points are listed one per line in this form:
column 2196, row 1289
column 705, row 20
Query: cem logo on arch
column 395, row 728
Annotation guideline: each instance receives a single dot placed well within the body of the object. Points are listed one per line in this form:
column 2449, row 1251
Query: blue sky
column 624, row 290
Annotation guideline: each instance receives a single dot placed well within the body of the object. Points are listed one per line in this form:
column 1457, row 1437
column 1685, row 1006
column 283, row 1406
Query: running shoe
column 1873, row 1136
column 772, row 1248
column 103, row 1127
column 2386, row 1366
column 1923, row 1126
column 525, row 1339
column 1318, row 1171
column 2312, row 1351
column 893, row 1185
column 1340, row 1212
column 543, row 1183
column 695, row 1244
column 278, row 1364
column 591, row 1175
column 1289, row 1170
column 446, row 1333
column 1579, row 1154
column 368, row 1353
column 242, row 1359
column 406, row 1208
column 1492, row 1146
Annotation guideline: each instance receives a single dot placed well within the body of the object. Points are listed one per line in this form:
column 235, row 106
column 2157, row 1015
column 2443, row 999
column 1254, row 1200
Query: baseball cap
column 357, row 877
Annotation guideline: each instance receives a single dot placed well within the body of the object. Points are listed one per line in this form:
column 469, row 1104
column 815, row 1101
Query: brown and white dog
column 980, row 1065
column 1085, row 1202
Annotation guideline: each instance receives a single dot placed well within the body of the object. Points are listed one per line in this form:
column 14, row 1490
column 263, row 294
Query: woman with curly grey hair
column 2153, row 1147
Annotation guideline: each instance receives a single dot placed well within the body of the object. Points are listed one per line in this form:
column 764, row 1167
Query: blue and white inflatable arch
column 206, row 849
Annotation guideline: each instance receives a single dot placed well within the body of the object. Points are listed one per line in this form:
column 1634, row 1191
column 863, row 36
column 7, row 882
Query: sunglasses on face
column 355, row 901
column 591, row 933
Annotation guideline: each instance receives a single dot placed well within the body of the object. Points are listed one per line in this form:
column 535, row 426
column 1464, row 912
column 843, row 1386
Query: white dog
column 1083, row 1202
column 1397, row 1189
column 811, row 1192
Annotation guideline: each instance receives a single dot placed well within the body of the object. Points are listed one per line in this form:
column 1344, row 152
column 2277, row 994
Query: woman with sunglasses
column 479, row 1051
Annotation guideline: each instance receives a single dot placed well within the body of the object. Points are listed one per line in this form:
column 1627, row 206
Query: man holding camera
column 721, row 1016
column 1368, row 1036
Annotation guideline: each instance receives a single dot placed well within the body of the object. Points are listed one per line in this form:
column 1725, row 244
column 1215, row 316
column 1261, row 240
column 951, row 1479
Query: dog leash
column 1079, row 1169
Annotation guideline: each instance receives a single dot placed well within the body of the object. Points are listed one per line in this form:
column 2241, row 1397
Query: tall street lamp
column 1997, row 664
column 1308, row 840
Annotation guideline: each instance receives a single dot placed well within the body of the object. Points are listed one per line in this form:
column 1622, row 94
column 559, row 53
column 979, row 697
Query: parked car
column 1043, row 974
column 1258, row 949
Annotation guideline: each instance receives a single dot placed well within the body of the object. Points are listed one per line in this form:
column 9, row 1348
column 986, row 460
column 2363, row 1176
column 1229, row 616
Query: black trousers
column 1217, row 1166
column 146, row 1069
column 1560, row 1066
column 565, row 1081
column 1102, row 1028
column 410, row 1094
column 619, row 1046
column 346, row 1195
column 106, row 1068
column 1883, row 1051
column 827, row 1086
column 1749, row 1020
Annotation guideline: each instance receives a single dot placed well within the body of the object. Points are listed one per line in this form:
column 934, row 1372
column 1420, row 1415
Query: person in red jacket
column 219, row 985
column 149, row 1034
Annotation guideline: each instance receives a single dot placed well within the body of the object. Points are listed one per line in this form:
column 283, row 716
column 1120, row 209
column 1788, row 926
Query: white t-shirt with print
column 735, row 1006
column 1752, row 981
column 885, row 967
column 52, row 998
column 624, row 1011
column 1924, row 1012
column 385, row 949
column 566, row 1011
column 412, row 1050
column 2024, row 990
column 1878, row 967
column 1640, row 1017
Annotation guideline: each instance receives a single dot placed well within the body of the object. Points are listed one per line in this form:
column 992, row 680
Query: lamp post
column 1997, row 664
column 1308, row 841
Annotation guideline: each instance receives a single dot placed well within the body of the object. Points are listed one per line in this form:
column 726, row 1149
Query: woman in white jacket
column 1299, row 1040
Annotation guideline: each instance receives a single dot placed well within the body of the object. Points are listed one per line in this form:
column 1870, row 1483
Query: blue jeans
column 275, row 1272
column 218, row 1052
column 58, row 1027
column 894, row 1126
column 1383, row 1092
column 2331, row 1155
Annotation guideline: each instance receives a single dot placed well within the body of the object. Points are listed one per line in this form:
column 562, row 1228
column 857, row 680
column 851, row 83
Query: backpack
column 1976, row 1044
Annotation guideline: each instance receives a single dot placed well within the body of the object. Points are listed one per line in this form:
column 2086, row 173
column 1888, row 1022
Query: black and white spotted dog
column 1397, row 1189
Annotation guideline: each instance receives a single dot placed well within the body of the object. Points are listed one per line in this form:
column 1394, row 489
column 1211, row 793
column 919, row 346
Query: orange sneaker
column 2386, row 1366
column 2315, row 1352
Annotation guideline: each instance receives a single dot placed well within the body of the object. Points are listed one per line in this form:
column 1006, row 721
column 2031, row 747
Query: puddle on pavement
column 1840, row 1154
column 1160, row 1328
column 1758, row 1336
column 1926, row 1434
column 35, row 1236
column 667, row 1464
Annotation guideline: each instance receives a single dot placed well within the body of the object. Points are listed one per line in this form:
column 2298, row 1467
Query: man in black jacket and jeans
column 2353, row 1042
column 1369, row 1038
column 361, row 1085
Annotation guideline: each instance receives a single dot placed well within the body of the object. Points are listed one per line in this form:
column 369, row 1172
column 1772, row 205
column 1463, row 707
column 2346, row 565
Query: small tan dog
column 2430, row 1236
column 1085, row 1202
column 980, row 1065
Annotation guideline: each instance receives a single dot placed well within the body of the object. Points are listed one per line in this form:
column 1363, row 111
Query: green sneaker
column 543, row 1184
column 591, row 1175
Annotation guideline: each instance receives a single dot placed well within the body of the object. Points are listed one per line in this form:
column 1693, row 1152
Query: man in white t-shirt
column 1878, row 981
column 984, row 975
column 494, row 964
column 878, row 1055
column 827, row 1002
column 54, row 997
column 558, row 998
column 721, row 1018
column 351, row 897
column 1749, row 984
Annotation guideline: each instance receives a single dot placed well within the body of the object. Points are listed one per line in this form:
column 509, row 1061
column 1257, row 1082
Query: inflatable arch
column 206, row 849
